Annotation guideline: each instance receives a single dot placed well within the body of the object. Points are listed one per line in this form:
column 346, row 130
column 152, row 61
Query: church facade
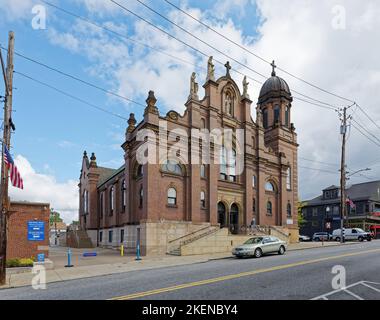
column 157, row 202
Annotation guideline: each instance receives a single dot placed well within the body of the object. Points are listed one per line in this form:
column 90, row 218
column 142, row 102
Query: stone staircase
column 78, row 239
column 212, row 239
column 174, row 246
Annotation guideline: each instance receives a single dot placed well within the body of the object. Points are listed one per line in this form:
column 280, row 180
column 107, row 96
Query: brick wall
column 18, row 245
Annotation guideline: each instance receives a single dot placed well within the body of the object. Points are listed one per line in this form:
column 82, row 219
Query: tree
column 301, row 219
column 53, row 216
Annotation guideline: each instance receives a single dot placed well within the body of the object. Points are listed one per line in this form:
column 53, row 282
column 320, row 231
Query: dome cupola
column 274, row 87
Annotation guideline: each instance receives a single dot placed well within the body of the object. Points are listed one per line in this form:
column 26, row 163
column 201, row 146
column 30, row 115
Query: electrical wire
column 70, row 95
column 256, row 55
column 332, row 107
column 75, row 78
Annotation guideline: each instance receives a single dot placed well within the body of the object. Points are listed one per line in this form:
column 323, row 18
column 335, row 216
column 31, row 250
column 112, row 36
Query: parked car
column 319, row 236
column 352, row 234
column 258, row 246
column 302, row 238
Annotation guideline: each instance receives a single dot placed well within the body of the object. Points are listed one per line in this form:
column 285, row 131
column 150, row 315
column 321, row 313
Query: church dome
column 274, row 87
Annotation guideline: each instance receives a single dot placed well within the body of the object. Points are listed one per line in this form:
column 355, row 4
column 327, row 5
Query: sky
column 331, row 44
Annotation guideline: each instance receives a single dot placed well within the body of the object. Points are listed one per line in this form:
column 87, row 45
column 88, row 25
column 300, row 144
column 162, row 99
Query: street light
column 358, row 171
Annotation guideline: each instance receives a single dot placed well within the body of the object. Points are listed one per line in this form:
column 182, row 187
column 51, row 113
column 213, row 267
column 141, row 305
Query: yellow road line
column 238, row 275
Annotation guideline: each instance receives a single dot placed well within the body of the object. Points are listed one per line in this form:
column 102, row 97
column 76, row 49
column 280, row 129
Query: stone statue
column 210, row 70
column 193, row 87
column 245, row 88
column 259, row 118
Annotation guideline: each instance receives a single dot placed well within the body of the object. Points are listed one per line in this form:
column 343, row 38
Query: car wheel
column 258, row 253
column 337, row 239
column 369, row 239
column 361, row 239
column 281, row 251
column 301, row 240
column 317, row 239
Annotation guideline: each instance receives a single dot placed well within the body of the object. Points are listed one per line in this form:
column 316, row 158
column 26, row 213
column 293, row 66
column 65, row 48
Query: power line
column 91, row 22
column 332, row 107
column 70, row 95
column 366, row 130
column 75, row 78
column 321, row 162
column 361, row 132
column 319, row 103
column 321, row 170
column 366, row 114
column 254, row 54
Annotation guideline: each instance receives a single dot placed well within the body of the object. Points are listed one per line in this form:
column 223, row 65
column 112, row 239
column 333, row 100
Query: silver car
column 257, row 246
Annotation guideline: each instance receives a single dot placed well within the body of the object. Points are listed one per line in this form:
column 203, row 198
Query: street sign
column 41, row 257
column 36, row 231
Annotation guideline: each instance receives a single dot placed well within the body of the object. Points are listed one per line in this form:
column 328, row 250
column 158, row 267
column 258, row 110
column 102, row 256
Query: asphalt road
column 304, row 274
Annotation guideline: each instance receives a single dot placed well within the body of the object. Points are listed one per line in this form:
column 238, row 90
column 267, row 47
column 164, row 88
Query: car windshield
column 254, row 240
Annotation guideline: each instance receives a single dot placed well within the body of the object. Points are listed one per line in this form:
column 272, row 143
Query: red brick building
column 166, row 200
column 22, row 214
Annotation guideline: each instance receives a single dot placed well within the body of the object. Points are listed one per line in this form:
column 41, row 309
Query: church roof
column 106, row 174
column 274, row 87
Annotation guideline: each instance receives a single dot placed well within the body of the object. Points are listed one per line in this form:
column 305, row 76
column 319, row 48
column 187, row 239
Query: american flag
column 351, row 203
column 14, row 174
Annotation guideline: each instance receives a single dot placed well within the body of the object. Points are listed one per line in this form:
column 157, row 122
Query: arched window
column 203, row 199
column 172, row 196
column 269, row 187
column 289, row 179
column 112, row 200
column 140, row 171
column 276, row 116
column 85, row 201
column 254, row 181
column 123, row 195
column 269, row 208
column 203, row 171
column 289, row 210
column 287, row 114
column 141, row 197
column 172, row 167
column 101, row 204
column 254, row 205
column 228, row 164
column 265, row 118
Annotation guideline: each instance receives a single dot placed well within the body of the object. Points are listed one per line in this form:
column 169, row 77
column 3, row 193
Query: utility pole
column 343, row 132
column 8, row 77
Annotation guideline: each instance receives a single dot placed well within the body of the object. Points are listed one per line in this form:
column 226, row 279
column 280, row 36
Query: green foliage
column 17, row 263
column 53, row 215
column 301, row 219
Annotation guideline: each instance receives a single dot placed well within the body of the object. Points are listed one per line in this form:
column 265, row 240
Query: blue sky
column 54, row 130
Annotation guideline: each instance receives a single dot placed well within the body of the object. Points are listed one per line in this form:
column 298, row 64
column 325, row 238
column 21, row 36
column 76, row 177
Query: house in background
column 365, row 213
column 58, row 230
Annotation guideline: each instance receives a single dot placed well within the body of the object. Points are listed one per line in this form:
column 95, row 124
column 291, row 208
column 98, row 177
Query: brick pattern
column 268, row 153
column 18, row 245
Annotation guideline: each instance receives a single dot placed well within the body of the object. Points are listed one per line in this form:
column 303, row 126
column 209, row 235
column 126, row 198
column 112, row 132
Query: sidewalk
column 110, row 262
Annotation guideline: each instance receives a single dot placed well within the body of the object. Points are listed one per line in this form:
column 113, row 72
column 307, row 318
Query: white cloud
column 298, row 34
column 15, row 9
column 38, row 187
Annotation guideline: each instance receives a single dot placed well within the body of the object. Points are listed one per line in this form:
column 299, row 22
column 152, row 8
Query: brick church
column 164, row 202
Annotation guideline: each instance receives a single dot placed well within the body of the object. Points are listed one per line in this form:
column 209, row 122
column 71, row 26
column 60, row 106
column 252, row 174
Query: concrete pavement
column 110, row 262
column 300, row 274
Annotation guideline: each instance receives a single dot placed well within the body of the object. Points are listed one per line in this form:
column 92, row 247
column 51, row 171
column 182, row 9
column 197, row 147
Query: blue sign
column 36, row 231
column 41, row 257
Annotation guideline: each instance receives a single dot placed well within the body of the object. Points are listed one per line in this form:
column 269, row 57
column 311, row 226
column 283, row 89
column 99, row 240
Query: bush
column 17, row 263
